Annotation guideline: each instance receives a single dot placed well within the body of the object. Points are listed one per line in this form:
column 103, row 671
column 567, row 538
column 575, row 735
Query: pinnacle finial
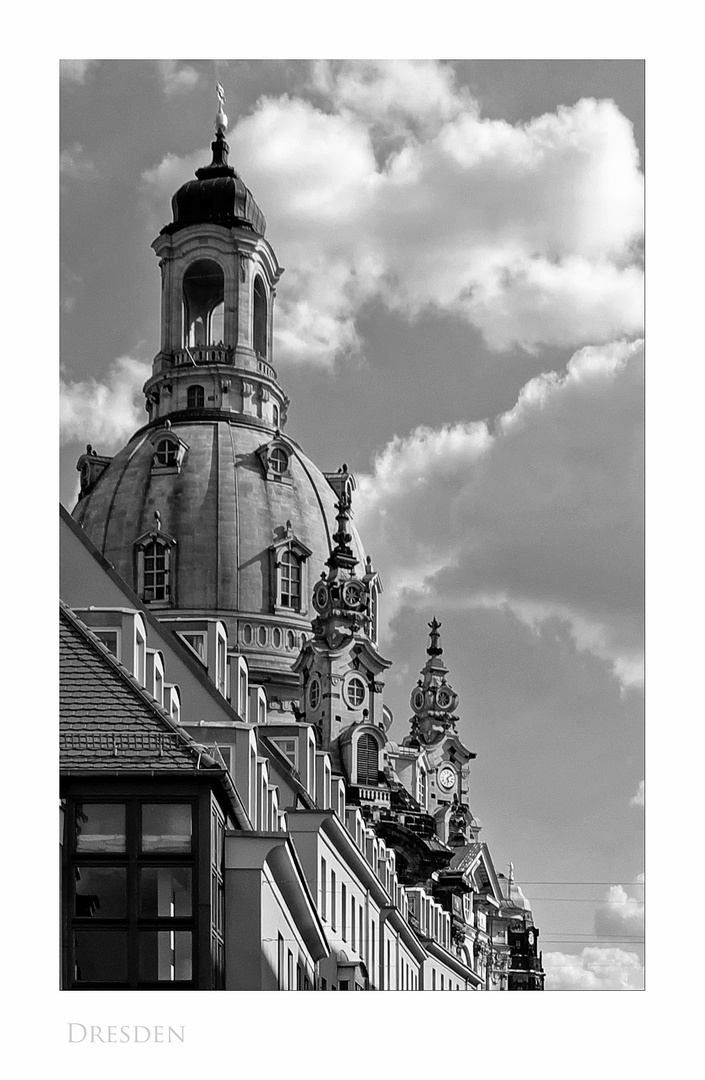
column 342, row 553
column 221, row 120
column 434, row 646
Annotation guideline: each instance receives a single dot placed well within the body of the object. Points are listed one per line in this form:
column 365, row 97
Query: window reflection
column 166, row 827
column 100, row 956
column 165, row 892
column 100, row 826
column 101, row 892
column 165, row 955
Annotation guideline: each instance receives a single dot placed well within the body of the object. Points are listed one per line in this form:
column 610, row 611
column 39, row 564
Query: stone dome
column 225, row 515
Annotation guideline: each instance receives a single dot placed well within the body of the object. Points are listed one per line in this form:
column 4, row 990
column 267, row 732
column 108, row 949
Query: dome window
column 195, row 398
column 204, row 293
column 259, row 318
column 279, row 460
column 275, row 457
column 155, row 557
column 169, row 451
column 289, row 572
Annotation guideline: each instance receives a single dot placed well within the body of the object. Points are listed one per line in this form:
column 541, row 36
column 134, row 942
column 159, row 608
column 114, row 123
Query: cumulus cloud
column 74, row 165
column 638, row 799
column 104, row 413
column 594, row 969
column 622, row 913
column 397, row 190
column 540, row 513
column 176, row 79
column 76, row 70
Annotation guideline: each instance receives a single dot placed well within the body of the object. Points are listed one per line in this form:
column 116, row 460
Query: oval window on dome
column 314, row 693
column 247, row 634
column 261, row 635
column 355, row 692
column 277, row 638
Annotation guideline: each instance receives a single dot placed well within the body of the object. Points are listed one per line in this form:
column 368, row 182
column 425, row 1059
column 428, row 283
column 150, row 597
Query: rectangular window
column 332, row 899
column 101, row 892
column 389, row 965
column 362, row 930
column 100, row 827
column 166, row 892
column 221, row 658
column 166, row 827
column 290, row 970
column 280, row 962
column 373, row 949
column 166, row 955
column 442, row 986
column 324, row 894
column 299, row 977
column 433, row 979
column 288, row 748
column 344, row 912
column 352, row 923
column 344, row 984
column 140, row 650
column 111, row 639
column 100, row 956
column 155, row 571
column 131, row 903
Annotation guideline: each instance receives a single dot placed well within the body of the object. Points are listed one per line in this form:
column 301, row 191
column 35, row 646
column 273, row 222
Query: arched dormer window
column 195, row 397
column 259, row 318
column 155, row 558
column 289, row 572
column 367, row 759
column 168, row 450
column 275, row 457
column 204, row 294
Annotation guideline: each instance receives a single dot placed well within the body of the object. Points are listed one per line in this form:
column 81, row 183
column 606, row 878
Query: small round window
column 356, row 692
column 279, row 460
column 314, row 694
column 166, row 452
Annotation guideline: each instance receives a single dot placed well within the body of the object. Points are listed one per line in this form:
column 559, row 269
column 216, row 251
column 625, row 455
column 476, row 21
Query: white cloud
column 76, row 70
column 105, row 413
column 74, row 165
column 541, row 515
column 638, row 799
column 622, row 914
column 528, row 232
column 177, row 79
column 594, row 969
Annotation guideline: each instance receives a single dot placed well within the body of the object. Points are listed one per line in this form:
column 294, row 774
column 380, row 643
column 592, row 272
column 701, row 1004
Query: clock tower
column 434, row 703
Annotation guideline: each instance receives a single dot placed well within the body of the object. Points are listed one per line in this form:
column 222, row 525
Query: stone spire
column 433, row 700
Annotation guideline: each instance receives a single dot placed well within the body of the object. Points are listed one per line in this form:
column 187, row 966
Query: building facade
column 244, row 820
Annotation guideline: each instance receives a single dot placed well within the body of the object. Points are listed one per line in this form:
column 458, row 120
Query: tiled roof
column 107, row 721
column 465, row 857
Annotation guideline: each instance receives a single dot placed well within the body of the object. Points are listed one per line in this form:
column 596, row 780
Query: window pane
column 100, row 826
column 165, row 892
column 166, row 827
column 165, row 955
column 101, row 892
column 100, row 956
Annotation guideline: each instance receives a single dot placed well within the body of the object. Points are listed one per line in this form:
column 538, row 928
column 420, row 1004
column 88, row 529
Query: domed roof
column 225, row 515
column 218, row 196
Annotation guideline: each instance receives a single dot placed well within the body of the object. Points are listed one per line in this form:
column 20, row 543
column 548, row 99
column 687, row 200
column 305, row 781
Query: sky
column 460, row 321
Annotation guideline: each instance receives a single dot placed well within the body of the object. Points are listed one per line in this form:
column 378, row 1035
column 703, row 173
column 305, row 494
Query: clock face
column 443, row 699
column 417, row 700
column 320, row 596
column 446, row 778
column 353, row 594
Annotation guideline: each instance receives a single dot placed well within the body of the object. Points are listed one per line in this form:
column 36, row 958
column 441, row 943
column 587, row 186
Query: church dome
column 217, row 196
column 226, row 516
